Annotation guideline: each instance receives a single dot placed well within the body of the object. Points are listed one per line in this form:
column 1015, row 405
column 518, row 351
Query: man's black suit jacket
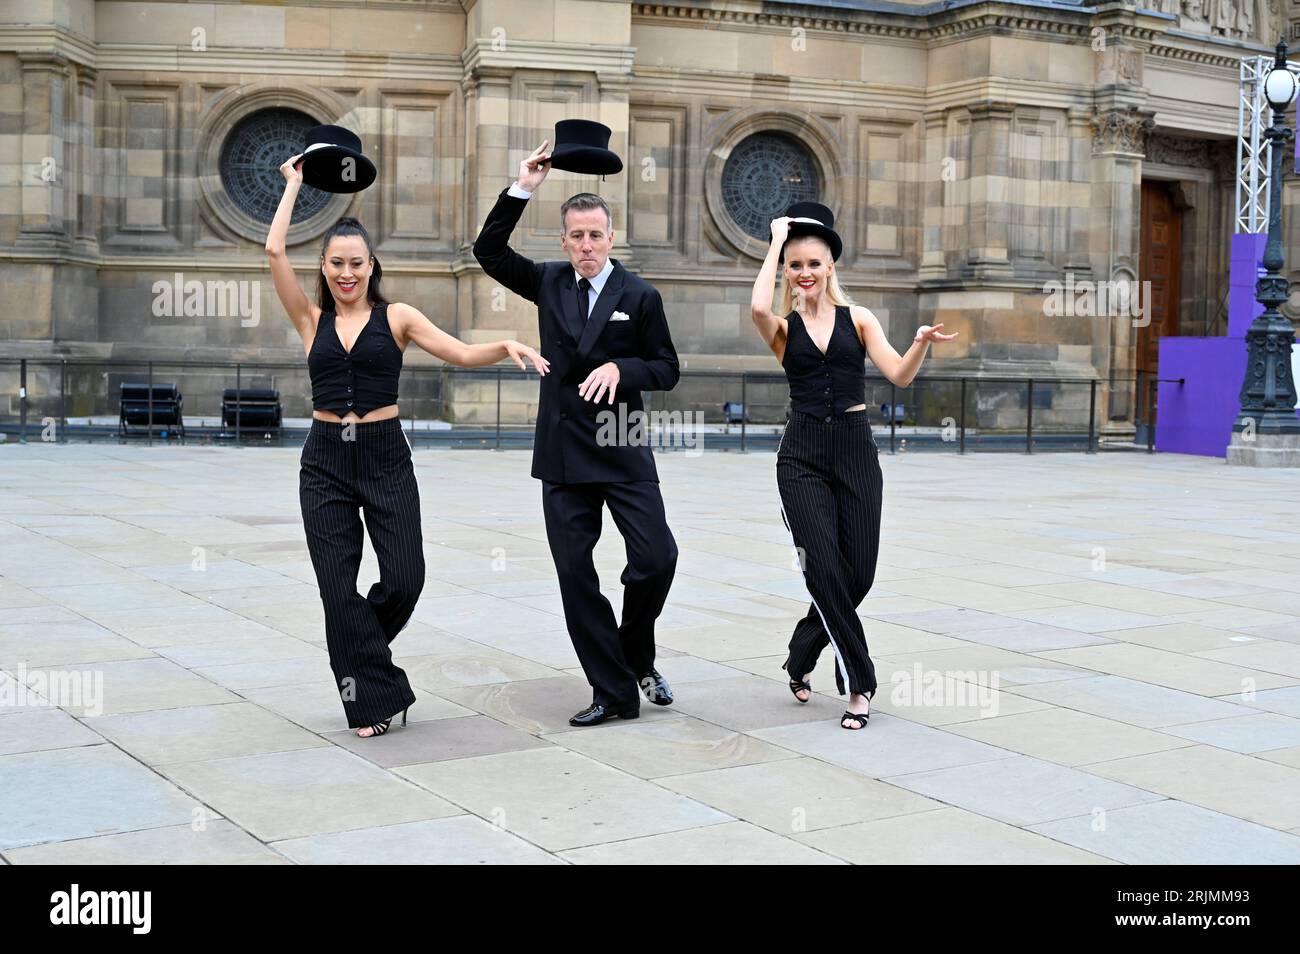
column 565, row 448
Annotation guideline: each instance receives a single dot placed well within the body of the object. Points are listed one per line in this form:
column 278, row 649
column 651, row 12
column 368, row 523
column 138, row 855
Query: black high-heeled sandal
column 861, row 718
column 797, row 687
column 379, row 728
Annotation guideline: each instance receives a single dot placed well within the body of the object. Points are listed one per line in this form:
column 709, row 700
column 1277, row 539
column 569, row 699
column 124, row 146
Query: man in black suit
column 604, row 333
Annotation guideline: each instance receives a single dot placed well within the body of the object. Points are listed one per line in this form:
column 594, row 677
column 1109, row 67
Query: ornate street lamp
column 1266, row 432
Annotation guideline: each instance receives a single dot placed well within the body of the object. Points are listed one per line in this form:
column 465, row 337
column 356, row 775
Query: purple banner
column 1196, row 417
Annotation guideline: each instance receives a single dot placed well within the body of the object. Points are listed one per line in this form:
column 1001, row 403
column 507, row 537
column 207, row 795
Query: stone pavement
column 1083, row 660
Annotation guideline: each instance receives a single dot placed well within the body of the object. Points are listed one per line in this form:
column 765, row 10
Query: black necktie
column 584, row 301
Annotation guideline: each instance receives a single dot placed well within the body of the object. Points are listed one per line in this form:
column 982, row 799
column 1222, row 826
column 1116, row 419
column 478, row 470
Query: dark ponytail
column 347, row 226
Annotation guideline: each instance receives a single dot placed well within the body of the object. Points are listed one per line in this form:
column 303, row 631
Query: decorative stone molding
column 1196, row 55
column 991, row 109
column 904, row 26
column 1231, row 19
column 1122, row 130
column 481, row 54
column 48, row 61
column 1073, row 26
column 1176, row 151
column 1119, row 64
column 42, row 38
column 934, row 23
column 930, row 22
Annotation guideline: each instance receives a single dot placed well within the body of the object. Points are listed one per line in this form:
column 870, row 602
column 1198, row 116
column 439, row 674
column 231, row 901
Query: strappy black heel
column 797, row 687
column 859, row 718
column 379, row 728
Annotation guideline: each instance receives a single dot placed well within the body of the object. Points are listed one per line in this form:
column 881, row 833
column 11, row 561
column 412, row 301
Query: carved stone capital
column 991, row 110
column 44, row 61
column 1122, row 130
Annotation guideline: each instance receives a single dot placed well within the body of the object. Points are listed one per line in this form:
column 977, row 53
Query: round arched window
column 763, row 176
column 251, row 157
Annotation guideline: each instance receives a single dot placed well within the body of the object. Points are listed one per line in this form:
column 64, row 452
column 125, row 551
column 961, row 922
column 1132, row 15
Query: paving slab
column 165, row 693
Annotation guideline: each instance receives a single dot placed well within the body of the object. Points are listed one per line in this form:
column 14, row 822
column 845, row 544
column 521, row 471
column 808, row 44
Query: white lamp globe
column 1280, row 88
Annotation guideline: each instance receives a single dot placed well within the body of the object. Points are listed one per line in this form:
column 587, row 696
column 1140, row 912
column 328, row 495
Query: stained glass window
column 763, row 176
column 251, row 158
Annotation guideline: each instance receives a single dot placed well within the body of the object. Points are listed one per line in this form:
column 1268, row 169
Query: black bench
column 251, row 408
column 140, row 408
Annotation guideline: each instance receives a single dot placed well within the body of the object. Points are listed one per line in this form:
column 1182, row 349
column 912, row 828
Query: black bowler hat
column 332, row 161
column 583, row 146
column 813, row 218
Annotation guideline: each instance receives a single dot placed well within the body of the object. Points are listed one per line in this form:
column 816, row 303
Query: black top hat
column 332, row 161
column 583, row 146
column 813, row 218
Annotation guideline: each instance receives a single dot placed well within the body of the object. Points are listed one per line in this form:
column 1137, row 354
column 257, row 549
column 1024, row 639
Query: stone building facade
column 973, row 152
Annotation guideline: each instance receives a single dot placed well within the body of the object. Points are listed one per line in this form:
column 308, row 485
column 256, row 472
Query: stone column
column 1119, row 145
column 45, row 182
column 940, row 171
column 1078, row 259
column 988, row 223
column 85, row 211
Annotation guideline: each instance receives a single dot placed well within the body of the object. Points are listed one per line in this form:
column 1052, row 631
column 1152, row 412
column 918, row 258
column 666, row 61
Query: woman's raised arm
column 302, row 312
column 770, row 327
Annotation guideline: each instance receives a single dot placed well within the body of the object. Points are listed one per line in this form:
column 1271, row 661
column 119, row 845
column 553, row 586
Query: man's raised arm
column 492, row 248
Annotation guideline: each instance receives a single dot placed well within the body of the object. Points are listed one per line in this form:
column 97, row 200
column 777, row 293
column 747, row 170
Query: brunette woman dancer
column 356, row 457
column 828, row 467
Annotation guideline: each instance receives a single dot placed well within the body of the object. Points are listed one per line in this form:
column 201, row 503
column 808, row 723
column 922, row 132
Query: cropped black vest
column 359, row 380
column 827, row 383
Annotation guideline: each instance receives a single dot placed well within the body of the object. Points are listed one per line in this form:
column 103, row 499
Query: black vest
column 360, row 380
column 829, row 383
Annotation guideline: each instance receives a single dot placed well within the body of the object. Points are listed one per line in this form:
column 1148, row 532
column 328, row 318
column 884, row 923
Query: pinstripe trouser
column 367, row 467
column 613, row 656
column 828, row 474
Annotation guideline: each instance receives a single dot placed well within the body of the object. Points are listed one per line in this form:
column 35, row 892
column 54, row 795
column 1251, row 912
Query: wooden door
column 1161, row 234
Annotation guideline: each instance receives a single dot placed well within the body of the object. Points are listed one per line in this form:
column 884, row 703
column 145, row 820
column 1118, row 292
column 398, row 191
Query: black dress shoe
column 656, row 688
column 595, row 714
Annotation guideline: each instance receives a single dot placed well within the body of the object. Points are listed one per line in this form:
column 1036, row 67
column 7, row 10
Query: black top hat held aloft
column 813, row 218
column 583, row 146
column 332, row 161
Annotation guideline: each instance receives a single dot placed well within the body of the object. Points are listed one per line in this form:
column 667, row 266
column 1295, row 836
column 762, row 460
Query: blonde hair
column 834, row 292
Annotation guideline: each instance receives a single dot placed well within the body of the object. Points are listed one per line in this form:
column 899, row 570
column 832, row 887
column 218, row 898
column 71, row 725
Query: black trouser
column 366, row 467
column 828, row 474
column 613, row 657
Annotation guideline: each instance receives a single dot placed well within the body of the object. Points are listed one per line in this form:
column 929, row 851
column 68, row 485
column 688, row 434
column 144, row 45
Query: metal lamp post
column 1267, row 431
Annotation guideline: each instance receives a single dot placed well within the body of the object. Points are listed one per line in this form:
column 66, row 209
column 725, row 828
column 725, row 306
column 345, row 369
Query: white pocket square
column 619, row 316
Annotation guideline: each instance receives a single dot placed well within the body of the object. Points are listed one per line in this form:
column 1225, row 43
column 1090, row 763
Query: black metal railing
column 1145, row 388
column 940, row 405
